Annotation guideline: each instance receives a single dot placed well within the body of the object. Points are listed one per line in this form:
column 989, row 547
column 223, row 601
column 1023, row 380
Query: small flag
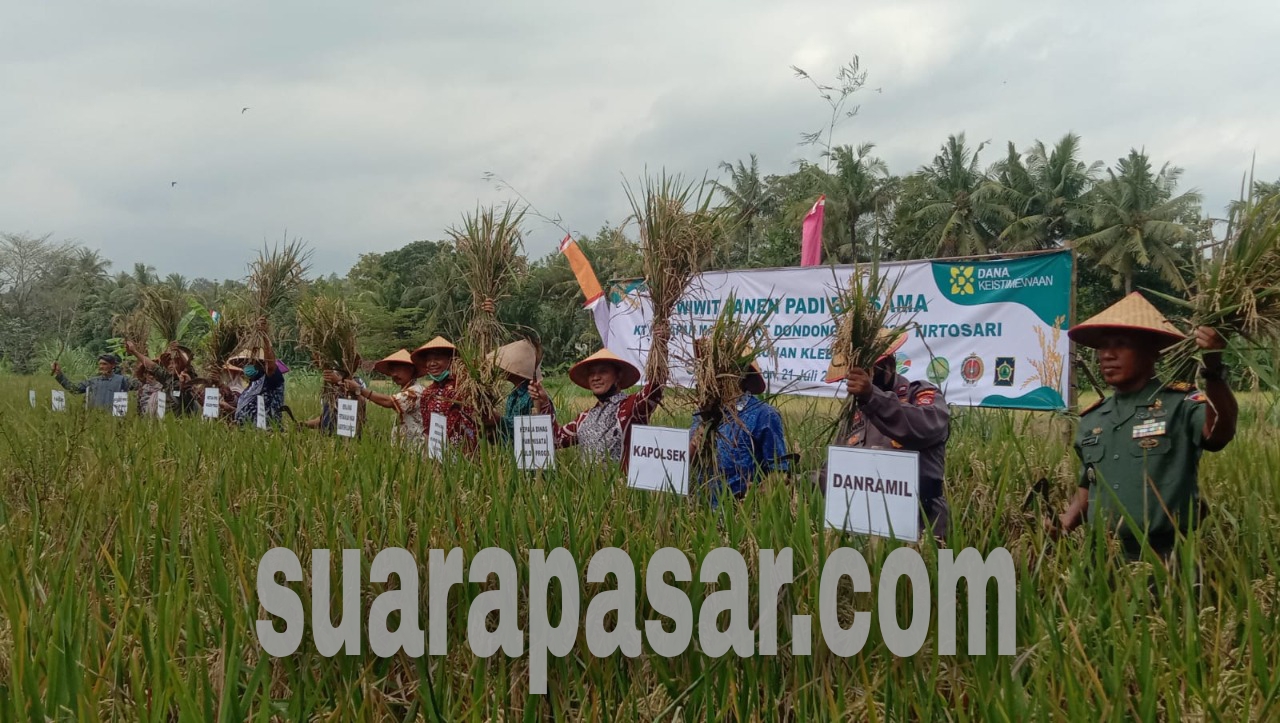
column 811, row 234
column 216, row 316
column 582, row 270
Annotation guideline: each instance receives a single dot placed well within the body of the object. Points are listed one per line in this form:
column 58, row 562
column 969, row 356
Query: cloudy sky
column 371, row 124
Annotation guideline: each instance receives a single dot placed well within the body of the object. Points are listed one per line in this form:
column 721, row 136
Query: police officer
column 1140, row 448
column 894, row 413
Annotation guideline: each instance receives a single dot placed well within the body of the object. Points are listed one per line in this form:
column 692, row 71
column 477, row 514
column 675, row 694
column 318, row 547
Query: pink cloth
column 811, row 234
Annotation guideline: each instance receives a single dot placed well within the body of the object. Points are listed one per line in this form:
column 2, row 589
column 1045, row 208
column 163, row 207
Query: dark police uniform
column 1140, row 455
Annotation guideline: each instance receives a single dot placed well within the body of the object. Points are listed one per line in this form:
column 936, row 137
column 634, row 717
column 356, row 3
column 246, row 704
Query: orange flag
column 583, row 271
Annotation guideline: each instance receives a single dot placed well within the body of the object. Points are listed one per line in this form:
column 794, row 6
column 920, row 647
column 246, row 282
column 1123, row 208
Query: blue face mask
column 250, row 371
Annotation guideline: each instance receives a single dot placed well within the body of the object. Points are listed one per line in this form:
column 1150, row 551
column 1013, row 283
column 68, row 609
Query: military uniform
column 1140, row 455
column 910, row 415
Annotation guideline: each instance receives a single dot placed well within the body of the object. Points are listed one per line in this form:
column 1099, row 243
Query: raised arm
column 1223, row 410
column 67, row 384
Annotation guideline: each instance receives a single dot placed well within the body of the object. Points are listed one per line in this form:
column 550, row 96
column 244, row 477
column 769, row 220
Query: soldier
column 894, row 413
column 1141, row 447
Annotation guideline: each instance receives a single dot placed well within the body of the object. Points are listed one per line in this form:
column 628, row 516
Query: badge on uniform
column 1152, row 428
column 1089, row 441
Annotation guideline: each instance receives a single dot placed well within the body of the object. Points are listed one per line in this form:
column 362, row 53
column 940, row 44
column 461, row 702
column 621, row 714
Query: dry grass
column 132, row 327
column 165, row 306
column 329, row 331
column 862, row 312
column 276, row 278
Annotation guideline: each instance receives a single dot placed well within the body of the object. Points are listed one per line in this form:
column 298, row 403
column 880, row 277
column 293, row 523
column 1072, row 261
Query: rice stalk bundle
column 134, row 327
column 275, row 279
column 223, row 339
column 328, row 330
column 866, row 322
column 679, row 232
column 165, row 306
column 490, row 261
column 1237, row 289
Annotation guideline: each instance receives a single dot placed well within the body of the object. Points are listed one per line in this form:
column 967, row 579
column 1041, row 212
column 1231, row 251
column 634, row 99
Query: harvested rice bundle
column 275, row 279
column 166, row 307
column 679, row 233
column 132, row 328
column 223, row 339
column 1237, row 289
column 327, row 329
column 866, row 325
column 490, row 260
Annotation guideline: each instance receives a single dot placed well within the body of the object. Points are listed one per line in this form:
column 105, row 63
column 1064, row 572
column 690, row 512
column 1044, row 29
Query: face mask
column 439, row 377
column 250, row 370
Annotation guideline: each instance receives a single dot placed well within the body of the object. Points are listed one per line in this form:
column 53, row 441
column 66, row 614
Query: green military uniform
column 1141, row 454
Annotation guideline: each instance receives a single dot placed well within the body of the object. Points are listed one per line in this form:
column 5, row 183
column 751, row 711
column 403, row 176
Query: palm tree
column 1045, row 194
column 957, row 212
column 860, row 185
column 748, row 195
column 1138, row 222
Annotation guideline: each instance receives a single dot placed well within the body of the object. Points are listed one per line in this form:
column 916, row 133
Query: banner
column 988, row 333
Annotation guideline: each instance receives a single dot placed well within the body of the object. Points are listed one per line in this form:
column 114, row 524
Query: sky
column 374, row 124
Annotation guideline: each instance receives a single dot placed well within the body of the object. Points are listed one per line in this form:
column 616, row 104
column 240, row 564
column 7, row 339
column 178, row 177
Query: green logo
column 938, row 370
column 961, row 280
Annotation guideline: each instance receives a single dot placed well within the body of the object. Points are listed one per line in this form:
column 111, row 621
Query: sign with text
column 32, row 396
column 873, row 492
column 437, row 436
column 119, row 404
column 261, row 416
column 211, row 399
column 162, row 405
column 59, row 400
column 659, row 459
column 348, row 417
column 535, row 441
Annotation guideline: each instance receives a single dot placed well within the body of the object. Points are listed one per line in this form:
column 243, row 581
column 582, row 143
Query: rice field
column 129, row 551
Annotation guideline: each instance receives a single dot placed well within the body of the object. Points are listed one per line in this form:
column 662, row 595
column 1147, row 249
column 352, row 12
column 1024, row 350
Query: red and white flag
column 811, row 234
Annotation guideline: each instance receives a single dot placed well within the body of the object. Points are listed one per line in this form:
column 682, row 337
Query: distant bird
column 242, row 110
column 172, row 184
column 879, row 90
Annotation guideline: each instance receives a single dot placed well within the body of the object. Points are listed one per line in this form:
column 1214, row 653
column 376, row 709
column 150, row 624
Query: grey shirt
column 101, row 390
column 908, row 415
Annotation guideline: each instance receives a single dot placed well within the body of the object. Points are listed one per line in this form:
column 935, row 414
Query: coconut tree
column 1045, row 192
column 951, row 207
column 1139, row 223
column 748, row 195
column 860, row 185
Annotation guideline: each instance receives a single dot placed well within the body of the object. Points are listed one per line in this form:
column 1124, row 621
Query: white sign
column 261, row 416
column 659, row 459
column 535, row 441
column 988, row 333
column 32, row 395
column 348, row 416
column 59, row 400
column 162, row 405
column 211, row 399
column 437, row 436
column 873, row 492
column 119, row 404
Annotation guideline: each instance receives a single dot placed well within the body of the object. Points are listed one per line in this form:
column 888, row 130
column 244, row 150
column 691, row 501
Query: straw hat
column 752, row 382
column 628, row 374
column 247, row 355
column 383, row 366
column 439, row 342
column 184, row 351
column 519, row 358
column 1133, row 313
column 839, row 367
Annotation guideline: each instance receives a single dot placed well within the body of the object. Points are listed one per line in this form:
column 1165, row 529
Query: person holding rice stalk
column 519, row 361
column 400, row 367
column 604, row 431
column 434, row 360
column 101, row 390
column 265, row 375
column 173, row 372
column 894, row 413
column 1141, row 447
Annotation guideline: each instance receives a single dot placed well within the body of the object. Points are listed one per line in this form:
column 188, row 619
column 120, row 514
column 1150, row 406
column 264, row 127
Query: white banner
column 873, row 492
column 659, row 459
column 535, row 442
column 989, row 333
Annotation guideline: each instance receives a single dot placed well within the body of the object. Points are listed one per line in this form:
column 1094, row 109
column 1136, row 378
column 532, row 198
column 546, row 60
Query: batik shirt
column 460, row 424
column 147, row 394
column 749, row 442
column 604, row 431
column 409, row 430
column 267, row 389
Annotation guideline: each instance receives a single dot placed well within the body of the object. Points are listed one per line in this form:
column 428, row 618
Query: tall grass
column 129, row 549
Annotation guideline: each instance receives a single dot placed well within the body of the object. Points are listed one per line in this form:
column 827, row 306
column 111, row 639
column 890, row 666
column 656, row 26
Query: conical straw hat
column 383, row 366
column 1132, row 313
column 519, row 358
column 839, row 367
column 437, row 343
column 628, row 374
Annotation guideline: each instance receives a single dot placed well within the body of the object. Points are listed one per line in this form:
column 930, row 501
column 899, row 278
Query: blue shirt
column 269, row 388
column 519, row 404
column 746, row 446
column 100, row 390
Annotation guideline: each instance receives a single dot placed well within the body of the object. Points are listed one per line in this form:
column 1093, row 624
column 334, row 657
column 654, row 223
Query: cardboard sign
column 535, row 442
column 211, row 399
column 59, row 401
column 348, row 416
column 119, row 404
column 873, row 492
column 437, row 436
column 260, row 420
column 162, row 405
column 659, row 459
column 32, row 396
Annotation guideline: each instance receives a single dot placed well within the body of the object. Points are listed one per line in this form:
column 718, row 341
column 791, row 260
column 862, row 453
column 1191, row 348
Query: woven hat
column 752, row 382
column 839, row 367
column 628, row 374
column 1133, row 313
column 383, row 366
column 438, row 343
column 184, row 351
column 519, row 358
